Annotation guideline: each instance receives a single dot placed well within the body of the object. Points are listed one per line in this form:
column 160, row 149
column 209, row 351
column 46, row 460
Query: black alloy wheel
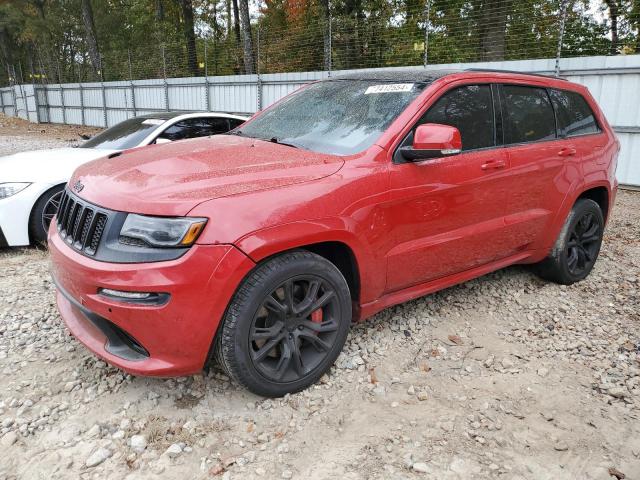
column 584, row 244
column 576, row 250
column 294, row 328
column 285, row 325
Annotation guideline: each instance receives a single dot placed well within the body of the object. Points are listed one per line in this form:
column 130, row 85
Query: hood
column 171, row 179
column 49, row 166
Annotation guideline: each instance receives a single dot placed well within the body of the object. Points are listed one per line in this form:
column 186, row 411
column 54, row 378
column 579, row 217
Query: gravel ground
column 502, row 377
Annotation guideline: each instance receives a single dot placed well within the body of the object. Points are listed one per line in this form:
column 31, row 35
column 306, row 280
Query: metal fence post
column 206, row 79
column 45, row 88
column 2, row 100
column 563, row 18
column 164, row 76
column 259, row 78
column 81, row 89
column 427, row 20
column 104, row 94
column 23, row 94
column 133, row 87
column 12, row 82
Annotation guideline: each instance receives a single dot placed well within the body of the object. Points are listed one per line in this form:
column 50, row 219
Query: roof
column 408, row 75
column 422, row 75
column 174, row 114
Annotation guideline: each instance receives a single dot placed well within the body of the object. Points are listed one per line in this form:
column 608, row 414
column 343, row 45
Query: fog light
column 147, row 298
column 128, row 295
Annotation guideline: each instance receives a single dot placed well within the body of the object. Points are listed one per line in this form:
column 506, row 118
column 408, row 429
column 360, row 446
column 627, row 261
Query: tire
column 42, row 213
column 286, row 324
column 577, row 247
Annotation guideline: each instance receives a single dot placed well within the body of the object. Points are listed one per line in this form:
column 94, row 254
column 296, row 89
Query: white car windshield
column 127, row 134
column 340, row 117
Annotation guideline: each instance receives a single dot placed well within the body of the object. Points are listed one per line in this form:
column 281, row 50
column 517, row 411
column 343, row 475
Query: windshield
column 340, row 117
column 127, row 134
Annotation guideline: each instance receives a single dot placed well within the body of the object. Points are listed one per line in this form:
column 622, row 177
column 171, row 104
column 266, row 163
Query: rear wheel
column 43, row 212
column 286, row 324
column 578, row 245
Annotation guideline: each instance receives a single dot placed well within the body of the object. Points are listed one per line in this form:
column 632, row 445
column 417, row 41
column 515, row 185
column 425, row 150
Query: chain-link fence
column 323, row 39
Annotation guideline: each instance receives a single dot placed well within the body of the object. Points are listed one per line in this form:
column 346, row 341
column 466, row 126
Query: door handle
column 493, row 164
column 567, row 152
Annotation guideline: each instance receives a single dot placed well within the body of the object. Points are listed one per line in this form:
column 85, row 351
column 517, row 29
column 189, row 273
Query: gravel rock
column 98, row 456
column 138, row 443
column 174, row 450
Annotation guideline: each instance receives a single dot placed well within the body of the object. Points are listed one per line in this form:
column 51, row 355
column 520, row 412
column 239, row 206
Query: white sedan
column 31, row 183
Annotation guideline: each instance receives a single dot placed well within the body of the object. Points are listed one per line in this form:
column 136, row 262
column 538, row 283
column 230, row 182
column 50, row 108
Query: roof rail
column 497, row 70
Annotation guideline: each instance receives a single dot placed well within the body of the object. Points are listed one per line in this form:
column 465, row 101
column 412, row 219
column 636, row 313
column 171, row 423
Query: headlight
column 163, row 231
column 9, row 189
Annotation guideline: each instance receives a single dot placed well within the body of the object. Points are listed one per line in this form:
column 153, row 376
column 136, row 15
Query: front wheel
column 43, row 212
column 578, row 245
column 286, row 324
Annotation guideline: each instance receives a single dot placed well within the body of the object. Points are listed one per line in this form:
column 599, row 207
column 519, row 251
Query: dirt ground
column 504, row 377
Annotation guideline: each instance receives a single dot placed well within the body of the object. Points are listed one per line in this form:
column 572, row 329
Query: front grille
column 80, row 224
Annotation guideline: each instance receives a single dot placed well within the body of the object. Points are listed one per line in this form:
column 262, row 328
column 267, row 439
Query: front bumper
column 160, row 340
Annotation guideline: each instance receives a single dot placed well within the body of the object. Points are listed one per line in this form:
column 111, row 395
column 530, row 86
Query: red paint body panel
column 178, row 334
column 413, row 228
column 431, row 136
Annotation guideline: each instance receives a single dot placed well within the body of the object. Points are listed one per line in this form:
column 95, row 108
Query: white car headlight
column 9, row 189
column 163, row 231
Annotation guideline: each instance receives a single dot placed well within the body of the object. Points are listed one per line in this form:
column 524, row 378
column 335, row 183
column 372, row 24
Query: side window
column 234, row 122
column 217, row 125
column 195, row 127
column 470, row 110
column 528, row 115
column 178, row 131
column 573, row 113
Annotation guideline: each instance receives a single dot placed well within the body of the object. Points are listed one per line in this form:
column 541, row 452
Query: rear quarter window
column 574, row 115
column 528, row 114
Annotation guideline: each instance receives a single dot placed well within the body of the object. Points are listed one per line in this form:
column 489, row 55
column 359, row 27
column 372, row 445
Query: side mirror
column 160, row 140
column 432, row 140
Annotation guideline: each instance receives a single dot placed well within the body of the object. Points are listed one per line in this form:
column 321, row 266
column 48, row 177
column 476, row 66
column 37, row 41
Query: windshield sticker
column 389, row 88
column 153, row 121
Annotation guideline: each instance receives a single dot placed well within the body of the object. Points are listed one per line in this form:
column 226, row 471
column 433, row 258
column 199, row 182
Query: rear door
column 543, row 165
column 447, row 213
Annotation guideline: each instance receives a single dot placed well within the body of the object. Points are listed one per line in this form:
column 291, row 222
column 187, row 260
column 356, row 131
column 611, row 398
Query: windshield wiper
column 287, row 144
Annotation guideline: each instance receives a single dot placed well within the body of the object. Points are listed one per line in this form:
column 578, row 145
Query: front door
column 447, row 213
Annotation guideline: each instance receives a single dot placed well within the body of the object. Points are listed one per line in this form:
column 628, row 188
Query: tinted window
column 470, row 110
column 233, row 122
column 573, row 113
column 127, row 134
column 528, row 115
column 196, row 127
column 341, row 117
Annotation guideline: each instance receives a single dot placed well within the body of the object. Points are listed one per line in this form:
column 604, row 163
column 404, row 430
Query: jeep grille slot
column 80, row 224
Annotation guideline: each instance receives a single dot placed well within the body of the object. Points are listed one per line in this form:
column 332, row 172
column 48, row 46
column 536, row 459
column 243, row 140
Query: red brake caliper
column 316, row 317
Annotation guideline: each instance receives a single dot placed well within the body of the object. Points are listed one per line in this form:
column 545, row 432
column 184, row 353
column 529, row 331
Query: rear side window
column 574, row 115
column 470, row 110
column 528, row 115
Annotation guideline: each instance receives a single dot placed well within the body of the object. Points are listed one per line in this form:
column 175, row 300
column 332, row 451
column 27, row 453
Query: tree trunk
column 189, row 35
column 326, row 34
column 90, row 31
column 493, row 29
column 236, row 30
column 159, row 11
column 247, row 41
column 613, row 15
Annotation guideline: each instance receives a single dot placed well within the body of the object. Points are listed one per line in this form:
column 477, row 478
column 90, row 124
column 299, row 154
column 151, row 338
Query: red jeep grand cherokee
column 260, row 247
